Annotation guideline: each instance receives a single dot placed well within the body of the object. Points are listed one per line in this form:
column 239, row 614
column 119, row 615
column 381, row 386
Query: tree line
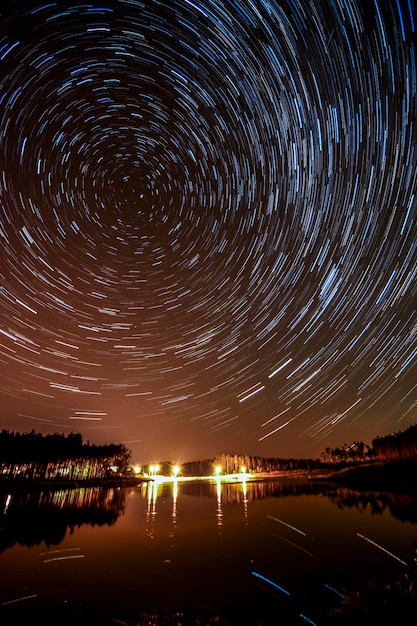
column 57, row 456
column 356, row 452
column 236, row 463
column 400, row 446
column 53, row 456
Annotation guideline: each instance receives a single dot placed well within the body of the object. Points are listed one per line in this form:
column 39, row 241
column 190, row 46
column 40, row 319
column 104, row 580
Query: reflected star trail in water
column 208, row 222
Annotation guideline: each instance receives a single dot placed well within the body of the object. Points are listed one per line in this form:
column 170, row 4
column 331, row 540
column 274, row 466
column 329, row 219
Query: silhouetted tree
column 32, row 455
column 399, row 446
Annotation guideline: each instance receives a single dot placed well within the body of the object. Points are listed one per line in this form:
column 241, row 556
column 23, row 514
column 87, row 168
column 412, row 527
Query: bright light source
column 136, row 469
column 153, row 469
column 175, row 470
column 218, row 470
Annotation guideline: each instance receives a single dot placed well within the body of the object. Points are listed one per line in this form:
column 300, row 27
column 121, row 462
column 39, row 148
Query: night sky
column 208, row 223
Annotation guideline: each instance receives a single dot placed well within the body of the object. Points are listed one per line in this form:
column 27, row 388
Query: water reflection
column 219, row 513
column 53, row 513
column 174, row 504
column 247, row 550
column 250, row 489
column 402, row 506
column 151, row 492
column 245, row 499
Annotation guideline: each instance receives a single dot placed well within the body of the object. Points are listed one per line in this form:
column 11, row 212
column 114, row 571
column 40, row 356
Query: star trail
column 208, row 223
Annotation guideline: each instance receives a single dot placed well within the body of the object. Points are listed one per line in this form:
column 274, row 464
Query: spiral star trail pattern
column 208, row 223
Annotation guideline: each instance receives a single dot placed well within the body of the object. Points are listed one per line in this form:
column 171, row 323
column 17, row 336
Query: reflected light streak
column 238, row 477
column 64, row 558
column 174, row 503
column 152, row 494
column 7, row 503
column 58, row 551
column 219, row 503
column 154, row 489
column 334, row 590
column 297, row 530
column 34, row 595
column 271, row 582
column 245, row 500
column 295, row 545
column 381, row 548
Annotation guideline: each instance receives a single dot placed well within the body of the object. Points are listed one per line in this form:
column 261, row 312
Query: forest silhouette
column 33, row 456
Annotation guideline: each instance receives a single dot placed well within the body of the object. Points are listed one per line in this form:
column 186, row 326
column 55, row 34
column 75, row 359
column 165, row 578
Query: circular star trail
column 208, row 222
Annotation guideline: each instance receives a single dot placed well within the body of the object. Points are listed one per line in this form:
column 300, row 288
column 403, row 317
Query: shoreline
column 28, row 484
column 377, row 475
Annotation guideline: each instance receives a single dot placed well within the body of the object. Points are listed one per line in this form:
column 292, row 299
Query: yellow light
column 218, row 470
column 243, row 469
column 153, row 469
column 136, row 469
column 175, row 470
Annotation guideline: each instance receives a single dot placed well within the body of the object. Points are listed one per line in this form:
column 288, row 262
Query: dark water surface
column 272, row 552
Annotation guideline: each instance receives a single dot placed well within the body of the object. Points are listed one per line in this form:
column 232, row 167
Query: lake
column 208, row 552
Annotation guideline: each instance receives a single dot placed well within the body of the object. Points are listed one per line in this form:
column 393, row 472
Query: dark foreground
column 377, row 476
column 276, row 551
